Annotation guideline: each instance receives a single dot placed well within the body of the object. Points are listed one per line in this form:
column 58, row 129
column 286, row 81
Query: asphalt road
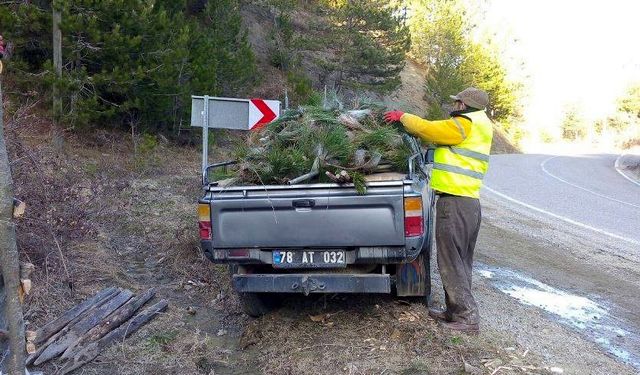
column 583, row 190
column 572, row 224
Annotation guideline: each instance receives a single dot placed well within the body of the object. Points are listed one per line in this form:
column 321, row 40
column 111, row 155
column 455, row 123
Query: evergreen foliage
column 135, row 62
column 574, row 127
column 359, row 44
column 316, row 139
column 441, row 41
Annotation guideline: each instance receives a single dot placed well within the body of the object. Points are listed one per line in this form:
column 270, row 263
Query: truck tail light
column 204, row 221
column 413, row 220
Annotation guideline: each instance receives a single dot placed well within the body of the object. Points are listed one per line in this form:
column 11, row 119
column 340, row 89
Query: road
column 581, row 190
column 559, row 251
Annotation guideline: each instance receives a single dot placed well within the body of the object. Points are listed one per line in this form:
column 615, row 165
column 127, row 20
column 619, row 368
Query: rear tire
column 255, row 304
column 426, row 258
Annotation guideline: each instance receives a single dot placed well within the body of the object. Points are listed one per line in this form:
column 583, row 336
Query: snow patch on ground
column 589, row 317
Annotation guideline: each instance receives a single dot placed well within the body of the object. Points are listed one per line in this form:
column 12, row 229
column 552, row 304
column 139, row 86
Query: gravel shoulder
column 567, row 258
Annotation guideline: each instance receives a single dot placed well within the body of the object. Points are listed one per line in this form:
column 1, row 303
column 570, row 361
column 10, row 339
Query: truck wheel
column 426, row 250
column 255, row 304
column 426, row 299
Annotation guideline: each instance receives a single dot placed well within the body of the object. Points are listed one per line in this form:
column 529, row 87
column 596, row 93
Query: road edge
column 616, row 165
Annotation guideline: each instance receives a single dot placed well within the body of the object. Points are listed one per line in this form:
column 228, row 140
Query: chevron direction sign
column 229, row 113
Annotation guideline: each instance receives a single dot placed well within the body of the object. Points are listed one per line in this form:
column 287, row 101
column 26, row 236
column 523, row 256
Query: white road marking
column 544, row 169
column 563, row 218
column 617, row 168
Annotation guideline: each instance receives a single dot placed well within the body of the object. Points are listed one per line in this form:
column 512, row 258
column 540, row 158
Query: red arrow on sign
column 267, row 114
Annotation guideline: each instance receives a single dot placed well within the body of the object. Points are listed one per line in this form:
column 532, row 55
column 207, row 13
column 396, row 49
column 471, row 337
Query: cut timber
column 111, row 322
column 50, row 329
column 91, row 320
column 25, row 279
column 88, row 353
column 304, row 177
column 30, row 335
column 104, row 295
column 388, row 176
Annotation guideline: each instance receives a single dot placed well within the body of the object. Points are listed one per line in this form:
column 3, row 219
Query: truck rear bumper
column 312, row 283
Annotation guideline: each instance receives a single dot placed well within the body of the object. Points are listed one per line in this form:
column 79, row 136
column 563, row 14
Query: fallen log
column 80, row 328
column 113, row 321
column 91, row 351
column 105, row 295
column 51, row 328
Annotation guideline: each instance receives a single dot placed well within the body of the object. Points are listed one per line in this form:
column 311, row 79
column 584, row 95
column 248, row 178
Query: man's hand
column 393, row 116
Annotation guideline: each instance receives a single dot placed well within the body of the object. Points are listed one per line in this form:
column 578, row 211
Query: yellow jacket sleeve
column 443, row 132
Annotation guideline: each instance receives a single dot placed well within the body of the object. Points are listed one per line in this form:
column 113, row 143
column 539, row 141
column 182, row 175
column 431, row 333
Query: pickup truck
column 321, row 238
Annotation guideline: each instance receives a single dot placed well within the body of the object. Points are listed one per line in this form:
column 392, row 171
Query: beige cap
column 473, row 97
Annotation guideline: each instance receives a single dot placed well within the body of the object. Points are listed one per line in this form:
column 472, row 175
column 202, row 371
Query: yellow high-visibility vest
column 459, row 169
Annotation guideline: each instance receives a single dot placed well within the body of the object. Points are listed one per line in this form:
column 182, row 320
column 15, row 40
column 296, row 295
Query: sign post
column 228, row 113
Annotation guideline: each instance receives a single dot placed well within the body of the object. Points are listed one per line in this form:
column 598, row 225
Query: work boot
column 473, row 328
column 439, row 314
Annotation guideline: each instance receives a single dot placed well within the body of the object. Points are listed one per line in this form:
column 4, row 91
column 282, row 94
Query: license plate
column 309, row 259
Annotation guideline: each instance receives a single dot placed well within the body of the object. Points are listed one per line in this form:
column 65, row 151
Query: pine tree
column 362, row 44
column 135, row 62
column 442, row 43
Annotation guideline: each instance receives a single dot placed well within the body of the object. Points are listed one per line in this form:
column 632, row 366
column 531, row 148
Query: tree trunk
column 9, row 261
column 58, row 140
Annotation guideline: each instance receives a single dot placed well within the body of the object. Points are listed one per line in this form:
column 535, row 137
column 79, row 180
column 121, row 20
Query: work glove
column 393, row 116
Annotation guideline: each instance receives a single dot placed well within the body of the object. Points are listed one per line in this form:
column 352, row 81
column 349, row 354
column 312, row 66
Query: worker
column 461, row 160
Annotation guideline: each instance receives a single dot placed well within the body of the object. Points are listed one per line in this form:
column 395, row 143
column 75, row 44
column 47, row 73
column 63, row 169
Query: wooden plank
column 81, row 327
column 51, row 328
column 65, row 329
column 110, row 323
column 90, row 352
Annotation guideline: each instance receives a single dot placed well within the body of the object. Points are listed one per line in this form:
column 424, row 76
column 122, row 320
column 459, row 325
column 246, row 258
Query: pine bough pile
column 81, row 333
column 311, row 144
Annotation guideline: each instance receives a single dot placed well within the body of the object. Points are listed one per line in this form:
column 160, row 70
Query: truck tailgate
column 308, row 216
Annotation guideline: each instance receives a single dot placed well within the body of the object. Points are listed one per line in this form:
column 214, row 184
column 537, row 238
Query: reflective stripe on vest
column 459, row 169
column 469, row 153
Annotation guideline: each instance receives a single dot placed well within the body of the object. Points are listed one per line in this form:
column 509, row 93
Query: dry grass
column 370, row 335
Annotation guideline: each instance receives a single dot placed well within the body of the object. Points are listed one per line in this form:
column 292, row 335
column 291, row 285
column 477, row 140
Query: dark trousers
column 457, row 226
